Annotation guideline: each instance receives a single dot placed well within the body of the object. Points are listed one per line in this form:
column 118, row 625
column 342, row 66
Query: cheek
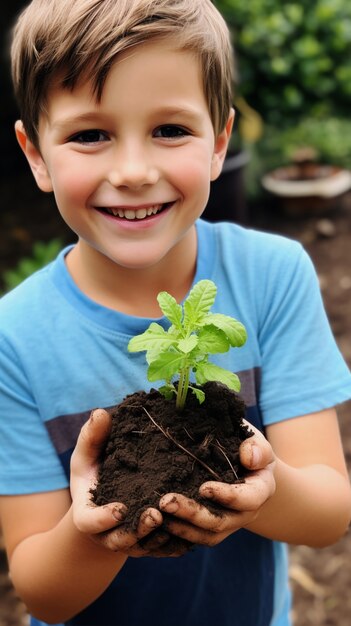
column 72, row 185
column 193, row 173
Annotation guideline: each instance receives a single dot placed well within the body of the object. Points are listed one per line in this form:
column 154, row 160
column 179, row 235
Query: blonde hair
column 71, row 40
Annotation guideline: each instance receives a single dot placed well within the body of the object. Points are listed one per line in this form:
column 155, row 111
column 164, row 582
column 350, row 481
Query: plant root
column 222, row 450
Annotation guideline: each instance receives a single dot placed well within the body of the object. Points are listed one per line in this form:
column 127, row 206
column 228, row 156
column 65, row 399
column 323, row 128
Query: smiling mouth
column 135, row 214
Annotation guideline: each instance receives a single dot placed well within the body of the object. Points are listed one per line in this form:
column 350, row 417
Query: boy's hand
column 104, row 524
column 195, row 523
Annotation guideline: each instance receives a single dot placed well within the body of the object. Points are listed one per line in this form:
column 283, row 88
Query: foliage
column 42, row 254
column 194, row 333
column 294, row 58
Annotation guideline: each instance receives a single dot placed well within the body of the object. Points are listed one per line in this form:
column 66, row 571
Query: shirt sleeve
column 303, row 370
column 28, row 461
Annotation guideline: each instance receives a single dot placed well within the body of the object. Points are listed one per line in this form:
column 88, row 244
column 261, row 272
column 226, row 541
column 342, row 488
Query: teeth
column 131, row 214
column 140, row 214
column 154, row 210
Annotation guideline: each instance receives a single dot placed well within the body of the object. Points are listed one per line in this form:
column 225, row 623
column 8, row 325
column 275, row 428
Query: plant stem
column 183, row 387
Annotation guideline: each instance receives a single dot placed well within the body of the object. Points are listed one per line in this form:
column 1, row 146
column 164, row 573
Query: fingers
column 257, row 455
column 131, row 543
column 191, row 512
column 256, row 452
column 247, row 496
column 240, row 504
column 105, row 526
column 92, row 520
column 150, row 539
column 195, row 524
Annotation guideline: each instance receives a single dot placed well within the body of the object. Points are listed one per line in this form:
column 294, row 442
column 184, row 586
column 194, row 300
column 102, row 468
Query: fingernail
column 171, row 506
column 206, row 492
column 256, row 456
column 150, row 521
column 119, row 513
column 91, row 416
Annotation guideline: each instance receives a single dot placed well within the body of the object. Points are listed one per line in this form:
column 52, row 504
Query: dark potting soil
column 153, row 450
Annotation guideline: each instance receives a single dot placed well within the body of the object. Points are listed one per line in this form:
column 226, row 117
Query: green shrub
column 294, row 58
column 42, row 254
column 330, row 139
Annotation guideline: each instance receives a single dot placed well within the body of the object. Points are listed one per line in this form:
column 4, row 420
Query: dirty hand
column 241, row 502
column 104, row 524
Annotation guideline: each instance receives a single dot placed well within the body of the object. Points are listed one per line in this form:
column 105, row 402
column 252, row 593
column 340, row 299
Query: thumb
column 92, row 437
column 89, row 518
column 256, row 451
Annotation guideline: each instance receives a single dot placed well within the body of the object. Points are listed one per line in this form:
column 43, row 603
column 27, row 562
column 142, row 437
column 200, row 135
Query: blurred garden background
column 288, row 172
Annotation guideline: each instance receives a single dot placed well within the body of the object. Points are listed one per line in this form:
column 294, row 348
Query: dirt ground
column 320, row 579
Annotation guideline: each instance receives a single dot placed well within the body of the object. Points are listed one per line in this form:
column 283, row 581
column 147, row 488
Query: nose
column 133, row 167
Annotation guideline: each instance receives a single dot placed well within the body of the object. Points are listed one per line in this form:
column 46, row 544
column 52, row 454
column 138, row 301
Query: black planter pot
column 227, row 201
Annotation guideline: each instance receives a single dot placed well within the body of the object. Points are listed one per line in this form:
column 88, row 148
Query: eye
column 90, row 136
column 171, row 131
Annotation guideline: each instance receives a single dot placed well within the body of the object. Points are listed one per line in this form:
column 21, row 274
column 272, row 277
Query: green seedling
column 193, row 335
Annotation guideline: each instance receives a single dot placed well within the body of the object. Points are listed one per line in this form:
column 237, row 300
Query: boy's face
column 132, row 173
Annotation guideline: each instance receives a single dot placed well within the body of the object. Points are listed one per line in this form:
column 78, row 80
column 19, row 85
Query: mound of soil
column 153, row 450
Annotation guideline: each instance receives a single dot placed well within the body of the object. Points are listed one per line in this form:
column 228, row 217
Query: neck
column 134, row 291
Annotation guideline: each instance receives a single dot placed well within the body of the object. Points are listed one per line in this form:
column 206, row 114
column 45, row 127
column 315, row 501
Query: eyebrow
column 90, row 117
column 93, row 117
column 174, row 110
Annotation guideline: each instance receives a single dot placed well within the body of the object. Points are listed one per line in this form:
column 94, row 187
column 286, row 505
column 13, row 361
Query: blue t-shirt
column 61, row 354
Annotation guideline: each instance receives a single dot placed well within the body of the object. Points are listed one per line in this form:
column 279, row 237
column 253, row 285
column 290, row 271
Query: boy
column 126, row 116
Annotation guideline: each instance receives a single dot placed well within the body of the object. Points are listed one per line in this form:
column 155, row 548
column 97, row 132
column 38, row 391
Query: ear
column 220, row 147
column 34, row 158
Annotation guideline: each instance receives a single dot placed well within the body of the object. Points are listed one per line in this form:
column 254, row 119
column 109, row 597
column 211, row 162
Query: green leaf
column 165, row 366
column 212, row 340
column 154, row 338
column 188, row 344
column 206, row 372
column 152, row 354
column 200, row 395
column 168, row 391
column 173, row 330
column 234, row 330
column 170, row 308
column 198, row 303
